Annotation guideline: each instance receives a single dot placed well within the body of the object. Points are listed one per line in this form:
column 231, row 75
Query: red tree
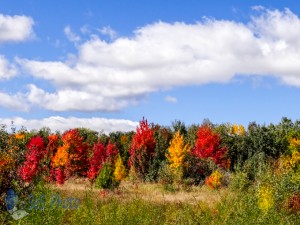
column 33, row 155
column 51, row 148
column 78, row 153
column 208, row 145
column 142, row 149
column 101, row 155
column 70, row 159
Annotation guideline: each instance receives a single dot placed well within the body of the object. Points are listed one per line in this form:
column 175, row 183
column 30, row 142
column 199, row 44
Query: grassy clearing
column 152, row 192
column 146, row 203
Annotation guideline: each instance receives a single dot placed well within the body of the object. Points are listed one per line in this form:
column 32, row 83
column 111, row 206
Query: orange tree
column 71, row 159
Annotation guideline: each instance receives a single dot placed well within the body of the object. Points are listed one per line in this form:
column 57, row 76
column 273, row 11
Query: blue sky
column 106, row 64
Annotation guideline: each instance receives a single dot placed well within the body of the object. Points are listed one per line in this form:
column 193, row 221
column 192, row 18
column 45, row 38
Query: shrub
column 197, row 168
column 165, row 175
column 239, row 181
column 214, row 181
column 293, row 203
column 265, row 198
column 106, row 178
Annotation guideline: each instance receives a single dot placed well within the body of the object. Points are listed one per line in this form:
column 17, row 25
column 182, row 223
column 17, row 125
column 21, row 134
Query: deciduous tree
column 142, row 149
column 208, row 145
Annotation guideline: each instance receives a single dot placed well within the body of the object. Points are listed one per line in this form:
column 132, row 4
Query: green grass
column 235, row 207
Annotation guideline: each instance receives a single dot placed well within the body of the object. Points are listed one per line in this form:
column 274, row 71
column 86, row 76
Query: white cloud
column 70, row 35
column 258, row 7
column 170, row 99
column 15, row 28
column 61, row 123
column 76, row 100
column 108, row 31
column 85, row 29
column 109, row 76
column 14, row 102
column 6, row 70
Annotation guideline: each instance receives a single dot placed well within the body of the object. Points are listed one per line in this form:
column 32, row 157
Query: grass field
column 147, row 203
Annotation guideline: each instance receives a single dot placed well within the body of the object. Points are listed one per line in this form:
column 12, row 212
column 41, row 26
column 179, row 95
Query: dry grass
column 148, row 191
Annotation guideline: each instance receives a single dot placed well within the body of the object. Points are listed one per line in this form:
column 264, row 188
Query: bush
column 214, row 181
column 165, row 175
column 239, row 181
column 198, row 169
column 292, row 204
column 106, row 178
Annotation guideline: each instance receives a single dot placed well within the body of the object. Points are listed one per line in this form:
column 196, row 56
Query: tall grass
column 238, row 206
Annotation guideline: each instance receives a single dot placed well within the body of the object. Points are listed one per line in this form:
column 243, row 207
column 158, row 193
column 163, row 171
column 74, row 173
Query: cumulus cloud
column 15, row 28
column 74, row 100
column 170, row 99
column 109, row 76
column 57, row 123
column 6, row 70
column 71, row 35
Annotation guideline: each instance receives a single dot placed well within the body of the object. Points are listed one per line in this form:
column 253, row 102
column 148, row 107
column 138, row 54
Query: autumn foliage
column 238, row 129
column 72, row 157
column 208, row 145
column 142, row 149
column 177, row 151
column 33, row 155
column 101, row 154
column 120, row 171
column 214, row 181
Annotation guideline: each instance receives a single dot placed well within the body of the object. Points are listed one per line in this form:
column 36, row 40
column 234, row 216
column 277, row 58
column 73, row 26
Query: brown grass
column 147, row 191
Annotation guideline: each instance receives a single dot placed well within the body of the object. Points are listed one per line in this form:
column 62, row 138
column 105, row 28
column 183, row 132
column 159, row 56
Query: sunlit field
column 201, row 174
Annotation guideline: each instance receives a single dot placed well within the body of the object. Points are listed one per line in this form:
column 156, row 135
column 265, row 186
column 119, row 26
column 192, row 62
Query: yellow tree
column 119, row 172
column 292, row 161
column 176, row 153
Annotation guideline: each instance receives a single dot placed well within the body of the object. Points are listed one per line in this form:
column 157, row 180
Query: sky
column 105, row 65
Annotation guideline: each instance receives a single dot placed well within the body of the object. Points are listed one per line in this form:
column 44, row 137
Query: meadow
column 201, row 174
